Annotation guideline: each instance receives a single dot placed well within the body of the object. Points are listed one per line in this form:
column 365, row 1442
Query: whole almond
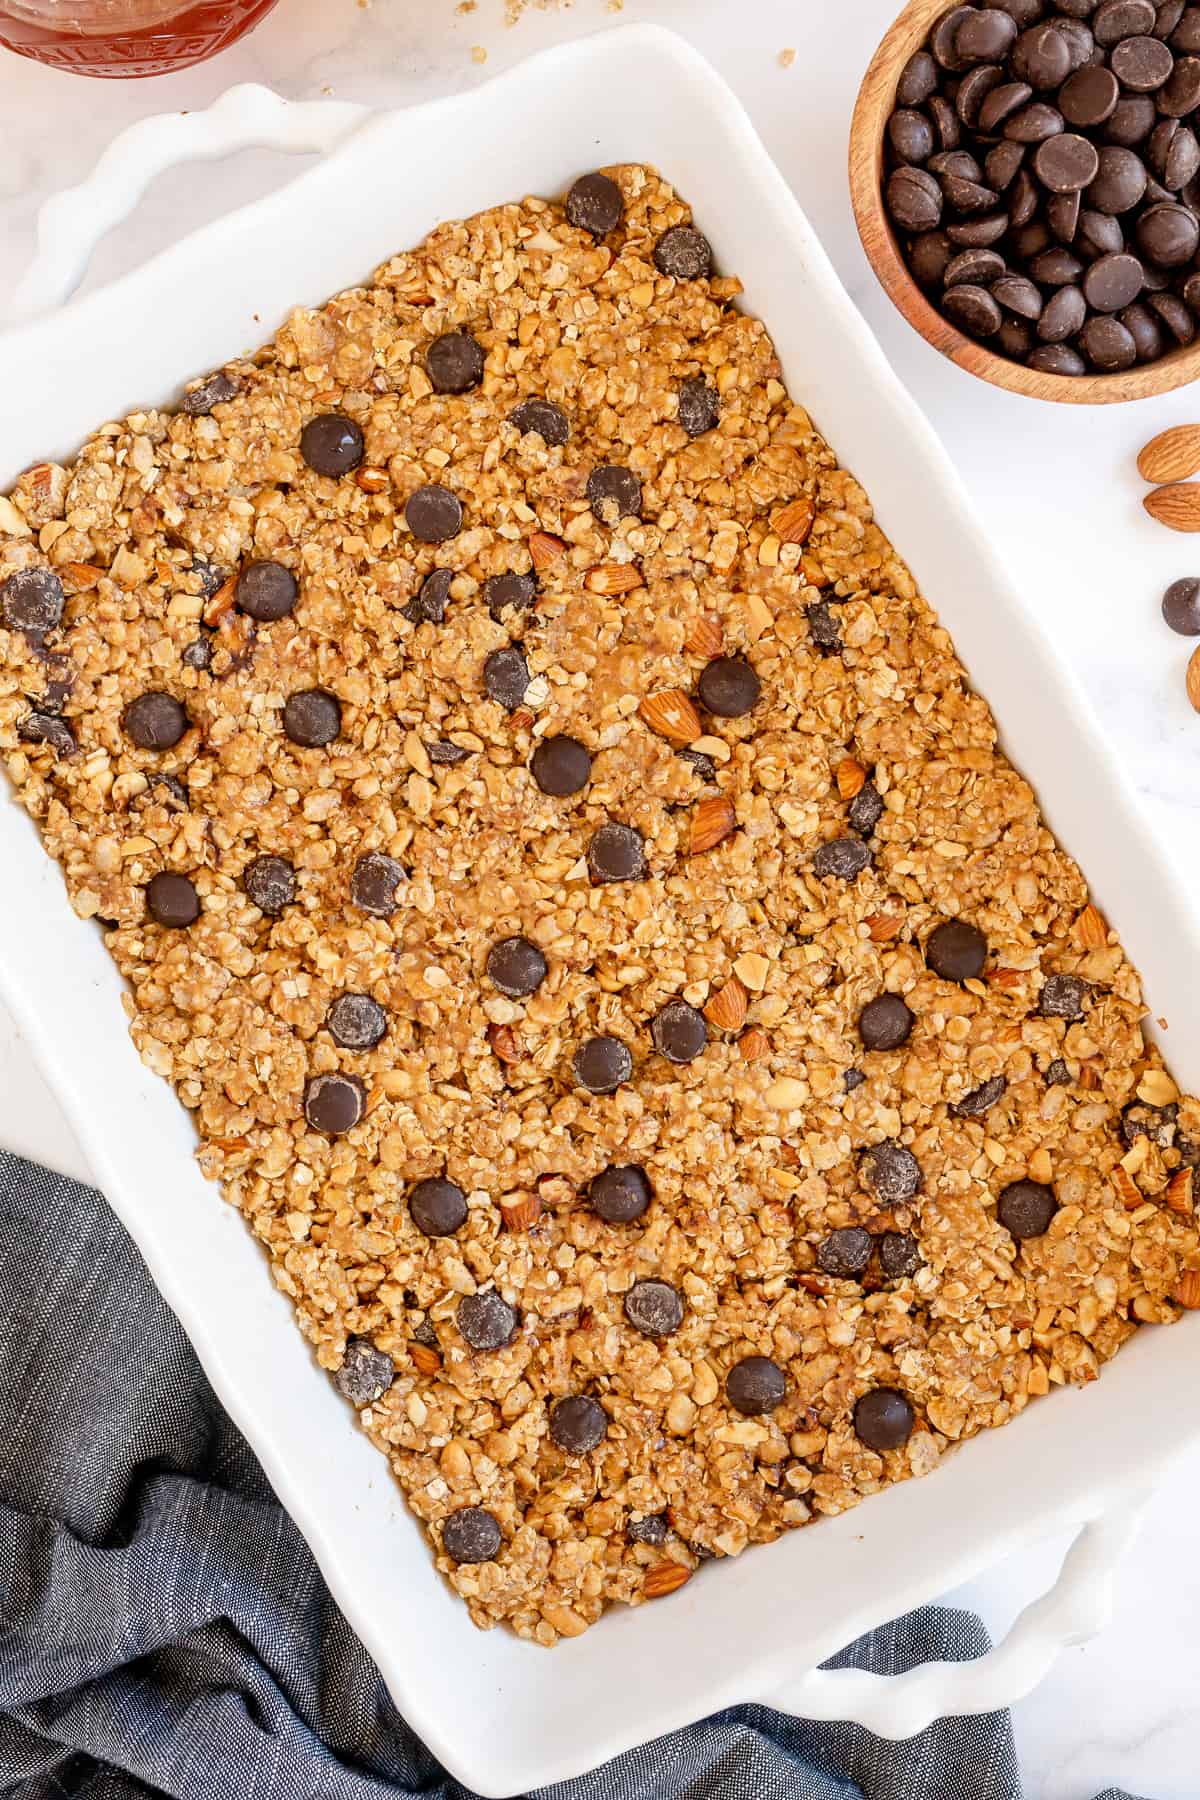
column 425, row 1358
column 1188, row 1291
column 670, row 712
column 1179, row 1192
column 665, row 1578
column 520, row 1211
column 1127, row 1191
column 754, row 1044
column 705, row 638
column 545, row 549
column 712, row 820
column 795, row 522
column 1177, row 507
column 1091, row 929
column 883, row 926
column 727, row 1008
column 613, row 578
column 1173, row 455
column 505, row 1043
column 851, row 777
column 1193, row 678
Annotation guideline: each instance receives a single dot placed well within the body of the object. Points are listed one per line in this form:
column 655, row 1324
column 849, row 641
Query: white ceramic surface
column 999, row 448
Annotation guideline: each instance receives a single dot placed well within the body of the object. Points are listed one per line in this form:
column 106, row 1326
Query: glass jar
column 125, row 37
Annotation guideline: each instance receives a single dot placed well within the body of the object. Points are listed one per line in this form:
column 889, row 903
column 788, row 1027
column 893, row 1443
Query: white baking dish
column 513, row 1717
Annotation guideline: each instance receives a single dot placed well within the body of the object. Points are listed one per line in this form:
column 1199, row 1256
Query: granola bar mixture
column 557, row 856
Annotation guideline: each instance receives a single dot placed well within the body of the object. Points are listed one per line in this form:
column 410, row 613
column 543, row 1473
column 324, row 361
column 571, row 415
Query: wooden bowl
column 876, row 98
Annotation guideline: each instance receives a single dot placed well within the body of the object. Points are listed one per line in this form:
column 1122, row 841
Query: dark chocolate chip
column 172, row 900
column 196, row 655
column 883, row 1419
column 1142, row 64
column 543, row 417
column 48, row 728
column 1167, row 15
column 594, row 204
column 1056, row 267
column 266, row 591
column 898, row 1255
column 931, row 254
column 454, row 362
column 602, row 1064
column 1063, row 315
column 985, row 36
column 1158, row 1123
column 429, row 606
column 1113, row 282
column 968, row 197
column 1172, row 312
column 614, row 493
column 438, row 1208
column 1181, row 606
column 1186, row 36
column 1001, row 104
column 679, row 1032
column 578, row 1424
column 214, row 390
column 269, row 882
column 845, row 1253
column 841, row 859
column 892, row 1173
column 619, row 1194
column 914, row 199
column 1057, row 359
column 1058, row 1074
column 486, row 1320
column 1174, row 154
column 1145, row 331
column 516, row 967
column 471, row 1535
column 212, row 579
column 652, row 1529
column 683, row 252
column 333, row 1104
column 699, row 406
column 1016, row 293
column 1181, row 93
column 1025, row 1208
column 1131, row 122
column 1015, row 339
column 755, row 1385
column 982, row 267
column 616, row 853
column 561, row 766
column 866, row 809
column 1098, row 234
column 729, row 687
column 853, row 1078
column 356, row 1022
column 366, row 1373
column 974, row 310
column 910, row 136
column 1066, row 163
column 312, row 718
column 654, row 1308
column 442, row 751
column 823, row 630
column 155, row 721
column 1120, row 181
column 374, row 883
column 1089, row 96
column 1107, row 345
column 506, row 676
column 1118, row 19
column 956, row 950
column 1062, row 997
column 942, row 39
column 885, row 1022
column 1004, row 163
column 981, row 1099
column 433, row 514
column 332, row 445
column 1168, row 235
column 502, row 591
column 32, row 601
column 1042, row 57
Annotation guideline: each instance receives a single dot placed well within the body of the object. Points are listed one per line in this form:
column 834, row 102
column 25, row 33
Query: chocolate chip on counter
column 214, row 390
column 614, row 493
column 438, row 1208
column 699, row 406
column 502, row 591
column 312, row 718
column 981, row 1099
column 654, row 1308
column 892, row 1173
column 333, row 1104
column 974, row 310
column 956, row 950
column 1181, row 606
column 433, row 514
column 1025, row 1208
column 196, row 655
column 561, row 766
column 332, row 445
column 914, row 199
column 616, row 853
column 898, row 1255
column 684, row 253
column 755, row 1385
column 602, row 1064
column 374, row 883
column 652, row 1529
column 48, row 728
column 866, row 809
column 1062, row 997
column 442, row 751
column 823, row 631
column 883, row 1419
column 619, row 1194
column 428, row 607
column 356, row 1022
column 172, row 900
column 155, row 721
column 454, row 362
column 594, row 204
column 486, row 1320
column 516, row 967
column 471, row 1535
column 679, row 1032
column 845, row 1253
column 885, row 1022
column 729, row 687
column 910, row 136
column 365, row 1374
column 543, row 417
column 841, row 859
column 578, row 1424
column 32, row 601
column 506, row 676
column 269, row 882
column 266, row 591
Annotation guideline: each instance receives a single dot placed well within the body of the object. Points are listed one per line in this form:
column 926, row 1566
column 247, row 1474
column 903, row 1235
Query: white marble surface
column 1057, row 485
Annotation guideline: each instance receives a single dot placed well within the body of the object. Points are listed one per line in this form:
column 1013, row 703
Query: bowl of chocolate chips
column 1026, row 181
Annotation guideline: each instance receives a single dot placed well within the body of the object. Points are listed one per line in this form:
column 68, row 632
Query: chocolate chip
column 1019, row 295
column 516, row 967
column 978, row 267
column 332, row 445
column 1120, row 181
column 442, row 751
column 172, row 787
column 980, row 1099
column 649, row 1530
column 841, row 859
column 454, row 362
column 269, row 882
column 1089, row 96
column 614, row 493
column 1062, row 997
column 976, row 234
column 214, row 390
column 1062, row 315
column 974, row 310
column 438, row 1208
column 1042, row 57
column 1066, row 163
column 679, row 1032
column 985, row 36
column 619, row 1194
column 699, row 407
column 544, row 418
column 48, row 728
column 892, row 1173
column 1181, row 606
column 1117, row 19
column 684, row 253
column 429, row 605
column 1062, row 216
column 968, row 196
column 1175, row 316
column 1133, row 119
column 506, row 676
column 1181, row 93
column 755, row 1385
column 1158, row 1123
column 956, row 950
column 312, row 718
column 1058, row 1074
column 1167, row 14
column 616, row 853
column 1186, row 36
column 561, row 766
column 885, row 1022
column 1107, row 345
column 729, row 687
column 1080, row 42
column 333, row 1104
column 1098, row 234
column 1113, row 282
column 654, row 1308
column 212, row 579
column 914, row 199
column 171, row 900
column 356, row 1022
column 866, row 809
column 594, row 204
column 883, row 1419
column 853, row 1078
column 1145, row 331
column 1025, row 1208
column 1168, row 234
column 910, row 136
column 845, row 1253
column 942, row 39
column 486, row 1320
column 374, row 883
column 1057, row 359
column 155, row 721
column 366, row 1373
column 32, row 601
column 1142, row 64
column 196, row 655
column 1056, row 267
column 502, row 591
column 266, row 591
column 433, row 514
column 823, row 628
column 578, row 1424
column 898, row 1255
column 1174, row 154
column 471, row 1535
column 602, row 1064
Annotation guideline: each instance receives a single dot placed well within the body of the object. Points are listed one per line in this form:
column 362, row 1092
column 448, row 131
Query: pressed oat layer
column 751, row 544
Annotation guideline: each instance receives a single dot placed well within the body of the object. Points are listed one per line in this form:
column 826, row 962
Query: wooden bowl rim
column 876, row 98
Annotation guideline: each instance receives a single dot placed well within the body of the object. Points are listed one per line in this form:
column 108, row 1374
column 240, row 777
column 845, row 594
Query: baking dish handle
column 899, row 1706
column 72, row 223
